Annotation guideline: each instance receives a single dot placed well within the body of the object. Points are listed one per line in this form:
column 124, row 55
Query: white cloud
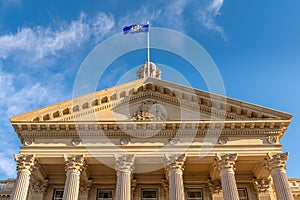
column 207, row 16
column 11, row 3
column 35, row 45
column 7, row 165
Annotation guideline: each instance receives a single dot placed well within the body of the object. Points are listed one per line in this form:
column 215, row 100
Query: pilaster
column 174, row 165
column 38, row 189
column 263, row 188
column 84, row 190
column 276, row 165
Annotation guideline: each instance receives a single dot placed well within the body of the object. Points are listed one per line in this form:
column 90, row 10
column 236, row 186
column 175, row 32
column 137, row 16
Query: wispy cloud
column 11, row 3
column 33, row 45
column 7, row 165
column 207, row 16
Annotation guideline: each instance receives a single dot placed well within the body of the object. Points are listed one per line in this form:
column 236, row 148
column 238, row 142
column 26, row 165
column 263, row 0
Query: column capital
column 262, row 185
column 225, row 162
column 74, row 163
column 125, row 163
column 25, row 163
column 174, row 162
column 39, row 186
column 276, row 161
column 214, row 186
column 85, row 186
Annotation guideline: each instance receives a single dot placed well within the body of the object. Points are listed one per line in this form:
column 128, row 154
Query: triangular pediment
column 151, row 99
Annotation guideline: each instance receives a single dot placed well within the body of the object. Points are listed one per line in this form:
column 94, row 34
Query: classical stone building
column 151, row 139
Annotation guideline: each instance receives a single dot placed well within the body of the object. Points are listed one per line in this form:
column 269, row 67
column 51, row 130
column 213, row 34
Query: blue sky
column 255, row 44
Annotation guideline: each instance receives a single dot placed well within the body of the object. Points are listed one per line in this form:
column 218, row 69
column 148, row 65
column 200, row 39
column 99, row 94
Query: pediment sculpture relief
column 149, row 110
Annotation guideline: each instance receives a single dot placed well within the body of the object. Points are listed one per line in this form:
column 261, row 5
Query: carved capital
column 39, row 186
column 85, row 186
column 225, row 162
column 133, row 185
column 125, row 163
column 74, row 163
column 276, row 161
column 262, row 185
column 174, row 163
column 25, row 163
column 214, row 186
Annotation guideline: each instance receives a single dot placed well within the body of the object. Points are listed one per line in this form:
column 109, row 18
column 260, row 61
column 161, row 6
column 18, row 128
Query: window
column 149, row 194
column 104, row 194
column 58, row 194
column 243, row 193
column 194, row 194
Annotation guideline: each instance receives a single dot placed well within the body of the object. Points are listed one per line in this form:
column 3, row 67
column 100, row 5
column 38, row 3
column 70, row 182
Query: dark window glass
column 104, row 194
column 58, row 194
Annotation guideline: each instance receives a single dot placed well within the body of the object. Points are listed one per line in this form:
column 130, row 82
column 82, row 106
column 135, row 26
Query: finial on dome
column 143, row 71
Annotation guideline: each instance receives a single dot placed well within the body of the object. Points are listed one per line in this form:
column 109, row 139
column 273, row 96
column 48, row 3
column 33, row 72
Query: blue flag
column 136, row 28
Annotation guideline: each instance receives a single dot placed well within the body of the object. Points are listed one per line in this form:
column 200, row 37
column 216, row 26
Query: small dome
column 143, row 72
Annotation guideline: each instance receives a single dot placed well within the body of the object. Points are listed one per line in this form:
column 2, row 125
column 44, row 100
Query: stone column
column 174, row 165
column 38, row 189
column 73, row 166
column 262, row 187
column 225, row 165
column 25, row 166
column 275, row 164
column 124, row 168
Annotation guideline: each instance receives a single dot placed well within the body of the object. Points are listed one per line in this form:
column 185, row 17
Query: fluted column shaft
column 276, row 165
column 123, row 186
column 124, row 168
column 74, row 166
column 21, row 186
column 229, row 185
column 25, row 165
column 174, row 165
column 226, row 166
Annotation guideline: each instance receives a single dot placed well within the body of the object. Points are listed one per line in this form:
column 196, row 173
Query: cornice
column 171, row 93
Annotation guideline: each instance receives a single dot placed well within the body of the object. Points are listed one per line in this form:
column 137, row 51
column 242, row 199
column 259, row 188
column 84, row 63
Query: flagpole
column 148, row 52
